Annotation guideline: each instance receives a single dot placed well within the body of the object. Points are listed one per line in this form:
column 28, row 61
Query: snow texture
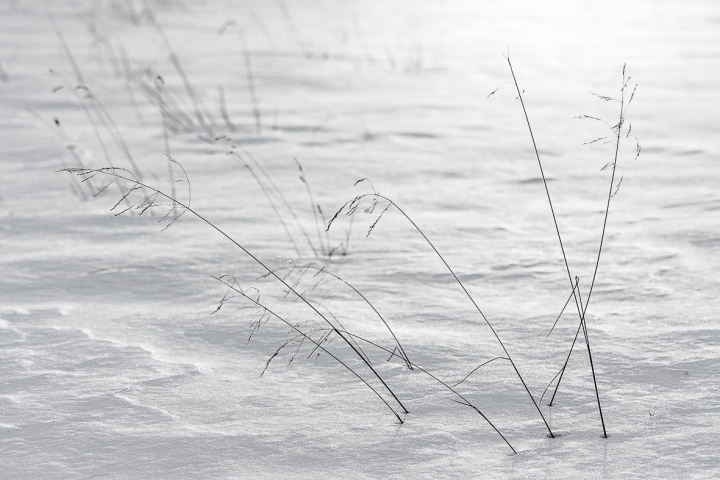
column 111, row 363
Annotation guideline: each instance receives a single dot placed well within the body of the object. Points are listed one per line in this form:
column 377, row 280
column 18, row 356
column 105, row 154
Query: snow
column 112, row 363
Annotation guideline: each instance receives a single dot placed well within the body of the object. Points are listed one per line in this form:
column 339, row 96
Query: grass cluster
column 314, row 248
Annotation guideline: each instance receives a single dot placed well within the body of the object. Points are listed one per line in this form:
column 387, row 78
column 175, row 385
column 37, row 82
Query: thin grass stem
column 251, row 85
column 223, row 109
column 183, row 76
column 572, row 294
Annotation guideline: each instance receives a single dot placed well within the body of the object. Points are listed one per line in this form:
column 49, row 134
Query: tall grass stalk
column 223, row 109
column 177, row 119
column 160, row 85
column 57, row 128
column 73, row 63
column 293, row 28
column 314, row 207
column 617, row 130
column 93, row 123
column 101, row 113
column 267, row 195
column 3, row 74
column 111, row 127
column 128, row 76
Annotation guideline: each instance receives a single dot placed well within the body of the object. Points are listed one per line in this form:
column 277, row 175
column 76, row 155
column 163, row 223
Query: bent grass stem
column 114, row 172
column 452, row 272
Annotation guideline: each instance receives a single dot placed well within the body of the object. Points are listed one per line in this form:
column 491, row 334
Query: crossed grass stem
column 575, row 285
column 307, row 292
column 149, row 201
column 319, row 345
column 578, row 302
column 353, row 207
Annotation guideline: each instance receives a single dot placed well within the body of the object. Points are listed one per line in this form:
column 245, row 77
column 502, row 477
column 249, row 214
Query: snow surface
column 111, row 364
